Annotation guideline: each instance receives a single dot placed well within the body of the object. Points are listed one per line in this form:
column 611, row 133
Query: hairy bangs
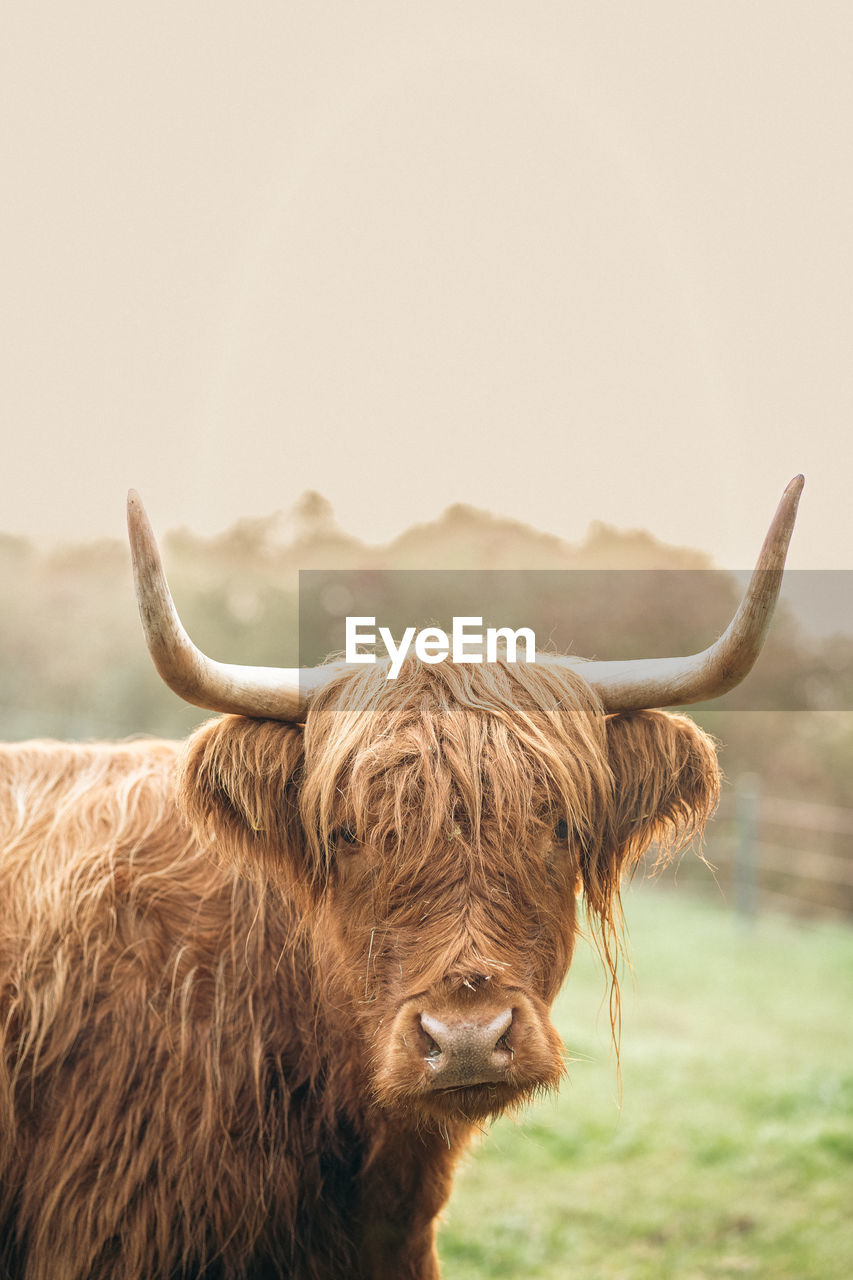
column 482, row 752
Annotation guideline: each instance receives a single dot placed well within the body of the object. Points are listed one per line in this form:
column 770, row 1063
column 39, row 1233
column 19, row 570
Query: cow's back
column 88, row 836
column 61, row 805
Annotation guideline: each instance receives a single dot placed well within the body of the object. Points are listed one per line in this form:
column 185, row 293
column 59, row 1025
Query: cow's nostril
column 435, row 1033
column 502, row 1025
column 430, row 1037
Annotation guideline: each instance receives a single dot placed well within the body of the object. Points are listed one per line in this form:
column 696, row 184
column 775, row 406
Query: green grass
column 732, row 1154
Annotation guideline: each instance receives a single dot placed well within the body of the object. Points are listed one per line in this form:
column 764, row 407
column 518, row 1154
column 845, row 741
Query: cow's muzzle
column 475, row 1051
column 466, row 1048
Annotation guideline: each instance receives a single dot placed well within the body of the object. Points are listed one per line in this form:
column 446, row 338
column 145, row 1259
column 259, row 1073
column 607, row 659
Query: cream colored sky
column 564, row 261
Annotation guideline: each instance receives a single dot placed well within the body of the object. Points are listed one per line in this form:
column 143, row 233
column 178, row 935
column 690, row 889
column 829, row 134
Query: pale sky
column 562, row 261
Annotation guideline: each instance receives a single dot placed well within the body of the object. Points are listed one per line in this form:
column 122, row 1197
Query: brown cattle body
column 208, row 1065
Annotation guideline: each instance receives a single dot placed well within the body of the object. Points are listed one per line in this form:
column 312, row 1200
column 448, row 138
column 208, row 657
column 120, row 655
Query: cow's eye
column 561, row 831
column 345, row 835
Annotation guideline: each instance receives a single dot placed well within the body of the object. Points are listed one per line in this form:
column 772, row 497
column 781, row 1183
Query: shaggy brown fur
column 206, row 1064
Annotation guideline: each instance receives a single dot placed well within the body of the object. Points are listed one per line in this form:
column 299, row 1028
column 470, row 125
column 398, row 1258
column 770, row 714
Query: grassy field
column 732, row 1154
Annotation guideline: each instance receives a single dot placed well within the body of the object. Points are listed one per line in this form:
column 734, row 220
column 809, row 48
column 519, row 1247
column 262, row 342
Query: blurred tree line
column 73, row 663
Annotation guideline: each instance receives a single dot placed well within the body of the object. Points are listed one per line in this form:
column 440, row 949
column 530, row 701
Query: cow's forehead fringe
column 447, row 748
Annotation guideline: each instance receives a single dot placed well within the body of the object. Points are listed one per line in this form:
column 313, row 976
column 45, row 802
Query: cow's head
column 437, row 830
column 437, row 833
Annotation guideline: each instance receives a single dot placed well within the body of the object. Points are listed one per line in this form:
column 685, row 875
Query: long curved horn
column 272, row 693
column 666, row 682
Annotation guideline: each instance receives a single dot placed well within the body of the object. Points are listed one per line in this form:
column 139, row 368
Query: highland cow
column 257, row 991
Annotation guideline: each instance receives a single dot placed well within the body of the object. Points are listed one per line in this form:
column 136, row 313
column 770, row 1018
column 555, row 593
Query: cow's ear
column 238, row 788
column 666, row 784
